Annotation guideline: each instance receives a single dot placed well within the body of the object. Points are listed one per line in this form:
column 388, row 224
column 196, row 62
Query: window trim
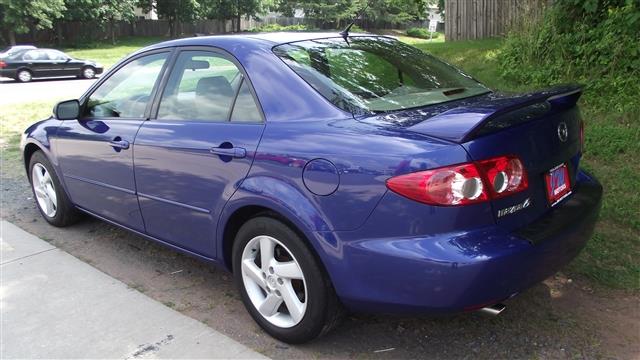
column 153, row 116
column 147, row 112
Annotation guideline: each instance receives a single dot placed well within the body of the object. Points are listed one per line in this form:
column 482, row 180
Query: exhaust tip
column 493, row 310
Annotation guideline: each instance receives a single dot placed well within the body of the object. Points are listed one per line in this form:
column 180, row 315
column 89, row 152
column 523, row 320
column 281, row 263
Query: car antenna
column 345, row 33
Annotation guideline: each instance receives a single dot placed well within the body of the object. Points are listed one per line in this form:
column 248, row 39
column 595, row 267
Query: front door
column 190, row 158
column 96, row 151
column 61, row 64
column 38, row 62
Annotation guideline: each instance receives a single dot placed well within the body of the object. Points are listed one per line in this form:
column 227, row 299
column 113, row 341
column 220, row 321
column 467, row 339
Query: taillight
column 505, row 175
column 3, row 64
column 463, row 184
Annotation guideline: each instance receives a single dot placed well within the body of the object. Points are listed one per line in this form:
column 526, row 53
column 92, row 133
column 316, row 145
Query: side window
column 55, row 55
column 127, row 92
column 202, row 86
column 245, row 108
column 35, row 55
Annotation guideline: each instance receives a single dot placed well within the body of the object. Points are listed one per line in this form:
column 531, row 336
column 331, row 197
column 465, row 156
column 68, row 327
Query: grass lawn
column 612, row 257
column 108, row 54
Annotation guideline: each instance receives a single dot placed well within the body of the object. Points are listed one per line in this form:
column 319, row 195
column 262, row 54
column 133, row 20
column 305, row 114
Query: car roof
column 259, row 40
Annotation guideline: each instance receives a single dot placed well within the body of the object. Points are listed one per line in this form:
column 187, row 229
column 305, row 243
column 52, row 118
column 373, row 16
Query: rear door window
column 35, row 55
column 245, row 108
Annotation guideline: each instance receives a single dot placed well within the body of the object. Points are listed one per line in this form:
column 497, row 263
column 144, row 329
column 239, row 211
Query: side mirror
column 67, row 110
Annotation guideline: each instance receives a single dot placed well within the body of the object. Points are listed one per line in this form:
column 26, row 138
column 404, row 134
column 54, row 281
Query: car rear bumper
column 465, row 270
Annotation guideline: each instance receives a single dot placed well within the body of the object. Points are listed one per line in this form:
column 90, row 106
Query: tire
column 321, row 307
column 63, row 213
column 88, row 72
column 24, row 75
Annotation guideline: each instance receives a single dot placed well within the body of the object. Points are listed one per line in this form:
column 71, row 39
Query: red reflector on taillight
column 3, row 64
column 452, row 185
column 463, row 184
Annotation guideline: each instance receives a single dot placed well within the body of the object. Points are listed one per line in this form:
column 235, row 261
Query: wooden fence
column 477, row 19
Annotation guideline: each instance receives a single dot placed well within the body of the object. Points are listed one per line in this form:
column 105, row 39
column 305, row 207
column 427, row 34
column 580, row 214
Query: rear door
column 193, row 155
column 96, row 151
column 38, row 62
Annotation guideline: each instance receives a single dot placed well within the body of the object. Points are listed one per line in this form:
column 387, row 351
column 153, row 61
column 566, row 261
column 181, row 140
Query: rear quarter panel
column 364, row 157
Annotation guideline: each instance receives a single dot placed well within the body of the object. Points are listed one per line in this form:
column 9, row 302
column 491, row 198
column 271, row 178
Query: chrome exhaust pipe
column 493, row 310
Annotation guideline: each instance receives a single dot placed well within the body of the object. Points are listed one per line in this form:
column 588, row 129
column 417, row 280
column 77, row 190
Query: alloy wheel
column 24, row 76
column 274, row 281
column 44, row 190
column 88, row 73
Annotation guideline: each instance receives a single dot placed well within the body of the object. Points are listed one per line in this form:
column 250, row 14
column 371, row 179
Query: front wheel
column 51, row 199
column 281, row 282
column 88, row 72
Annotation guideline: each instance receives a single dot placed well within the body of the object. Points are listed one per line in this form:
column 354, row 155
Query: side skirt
column 209, row 260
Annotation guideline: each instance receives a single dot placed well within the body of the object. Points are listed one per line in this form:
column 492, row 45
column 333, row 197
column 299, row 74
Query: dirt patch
column 561, row 318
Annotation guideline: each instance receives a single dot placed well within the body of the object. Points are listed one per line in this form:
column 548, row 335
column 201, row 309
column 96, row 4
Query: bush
column 593, row 42
column 421, row 33
column 278, row 27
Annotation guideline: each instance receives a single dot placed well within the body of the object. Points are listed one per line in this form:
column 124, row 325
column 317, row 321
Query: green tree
column 114, row 10
column 20, row 16
column 224, row 10
column 174, row 11
column 337, row 13
column 102, row 12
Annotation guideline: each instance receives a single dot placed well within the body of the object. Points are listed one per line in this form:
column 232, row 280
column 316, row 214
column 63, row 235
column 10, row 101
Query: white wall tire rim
column 24, row 76
column 88, row 73
column 276, row 287
column 44, row 190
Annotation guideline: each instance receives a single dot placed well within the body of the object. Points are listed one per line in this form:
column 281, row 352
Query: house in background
column 150, row 15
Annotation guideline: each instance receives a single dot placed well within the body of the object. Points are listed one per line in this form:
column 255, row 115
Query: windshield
column 376, row 74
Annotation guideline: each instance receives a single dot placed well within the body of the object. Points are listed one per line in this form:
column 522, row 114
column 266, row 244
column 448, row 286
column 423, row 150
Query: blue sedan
column 327, row 172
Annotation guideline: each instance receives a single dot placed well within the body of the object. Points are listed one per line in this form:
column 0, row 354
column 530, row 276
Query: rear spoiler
column 465, row 123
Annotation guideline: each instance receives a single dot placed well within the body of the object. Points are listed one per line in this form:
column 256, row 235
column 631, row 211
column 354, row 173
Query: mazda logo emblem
column 563, row 132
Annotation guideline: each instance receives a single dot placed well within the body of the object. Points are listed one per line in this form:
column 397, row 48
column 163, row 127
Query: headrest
column 214, row 85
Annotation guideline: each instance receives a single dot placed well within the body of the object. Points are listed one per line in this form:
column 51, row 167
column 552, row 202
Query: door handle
column 235, row 152
column 119, row 143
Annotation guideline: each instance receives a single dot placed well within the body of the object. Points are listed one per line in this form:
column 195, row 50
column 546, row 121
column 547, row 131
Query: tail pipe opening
column 493, row 310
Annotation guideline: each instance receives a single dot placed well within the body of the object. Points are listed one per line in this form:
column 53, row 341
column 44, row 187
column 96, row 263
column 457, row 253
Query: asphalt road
column 12, row 91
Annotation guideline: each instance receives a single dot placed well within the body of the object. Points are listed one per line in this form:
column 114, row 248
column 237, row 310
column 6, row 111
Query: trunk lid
column 530, row 126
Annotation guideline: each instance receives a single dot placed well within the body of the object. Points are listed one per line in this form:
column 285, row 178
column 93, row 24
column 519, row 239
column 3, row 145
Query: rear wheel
column 88, row 72
column 281, row 282
column 51, row 199
column 24, row 75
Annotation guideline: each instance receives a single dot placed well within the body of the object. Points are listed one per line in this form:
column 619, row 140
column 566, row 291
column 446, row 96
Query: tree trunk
column 112, row 25
column 238, row 22
column 59, row 35
column 12, row 37
column 172, row 28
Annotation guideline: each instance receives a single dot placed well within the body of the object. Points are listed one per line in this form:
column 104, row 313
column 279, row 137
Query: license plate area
column 558, row 184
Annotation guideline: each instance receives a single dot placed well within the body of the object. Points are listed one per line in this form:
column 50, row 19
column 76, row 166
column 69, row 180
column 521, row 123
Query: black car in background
column 26, row 64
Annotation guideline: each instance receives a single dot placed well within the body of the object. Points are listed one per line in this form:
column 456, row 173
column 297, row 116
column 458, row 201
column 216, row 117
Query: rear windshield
column 376, row 74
